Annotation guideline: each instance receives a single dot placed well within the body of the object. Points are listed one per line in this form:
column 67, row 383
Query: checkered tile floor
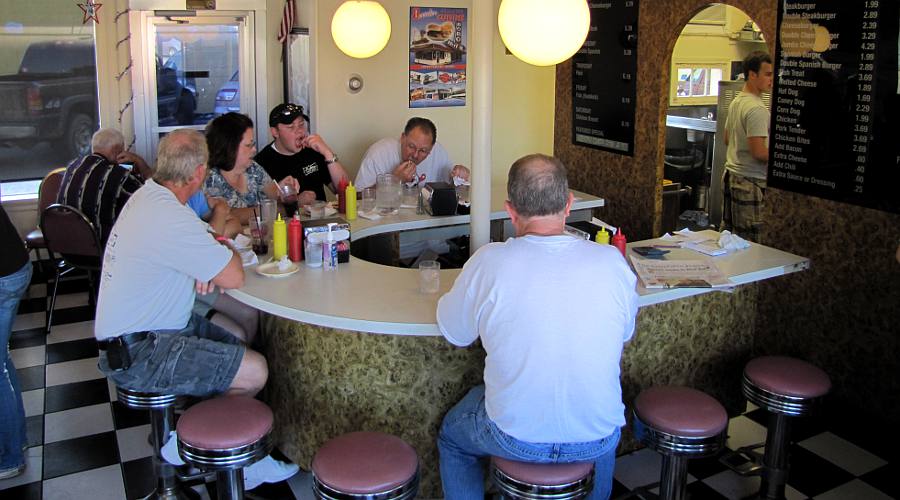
column 85, row 445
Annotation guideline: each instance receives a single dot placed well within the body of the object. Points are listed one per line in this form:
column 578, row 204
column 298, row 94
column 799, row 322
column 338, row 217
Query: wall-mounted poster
column 437, row 57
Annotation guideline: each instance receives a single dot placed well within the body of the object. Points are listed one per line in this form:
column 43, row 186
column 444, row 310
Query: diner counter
column 375, row 298
column 359, row 349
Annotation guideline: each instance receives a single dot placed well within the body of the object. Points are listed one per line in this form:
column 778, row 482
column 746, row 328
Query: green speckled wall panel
column 325, row 382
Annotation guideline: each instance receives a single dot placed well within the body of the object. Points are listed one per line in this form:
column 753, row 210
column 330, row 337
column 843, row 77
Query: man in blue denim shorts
column 552, row 312
column 158, row 255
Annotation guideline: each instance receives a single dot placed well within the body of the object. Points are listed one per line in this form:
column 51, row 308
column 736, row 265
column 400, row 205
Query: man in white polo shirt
column 553, row 312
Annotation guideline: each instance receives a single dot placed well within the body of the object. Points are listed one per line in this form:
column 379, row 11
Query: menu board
column 604, row 75
column 835, row 130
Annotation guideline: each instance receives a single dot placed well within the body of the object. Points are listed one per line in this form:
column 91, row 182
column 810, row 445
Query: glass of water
column 429, row 276
column 367, row 201
column 387, row 195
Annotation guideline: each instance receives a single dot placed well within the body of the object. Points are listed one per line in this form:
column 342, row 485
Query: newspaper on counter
column 679, row 273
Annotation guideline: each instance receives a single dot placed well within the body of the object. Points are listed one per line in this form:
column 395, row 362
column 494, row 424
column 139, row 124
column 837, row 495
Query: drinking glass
column 367, row 202
column 267, row 211
column 410, row 196
column 317, row 210
column 429, row 276
column 288, row 193
column 387, row 194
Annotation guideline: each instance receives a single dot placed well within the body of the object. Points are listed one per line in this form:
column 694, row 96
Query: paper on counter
column 371, row 214
column 244, row 247
column 731, row 241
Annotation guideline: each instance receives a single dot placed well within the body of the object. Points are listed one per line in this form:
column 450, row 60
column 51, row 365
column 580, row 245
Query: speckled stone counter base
column 701, row 342
column 325, row 382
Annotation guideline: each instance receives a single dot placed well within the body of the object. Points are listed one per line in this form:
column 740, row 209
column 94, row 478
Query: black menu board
column 604, row 75
column 835, row 130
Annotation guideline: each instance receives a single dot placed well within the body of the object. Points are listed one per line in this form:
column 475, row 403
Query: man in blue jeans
column 552, row 312
column 15, row 275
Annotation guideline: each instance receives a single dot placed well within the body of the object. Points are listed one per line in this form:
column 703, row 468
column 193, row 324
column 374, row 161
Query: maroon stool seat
column 225, row 434
column 786, row 387
column 680, row 423
column 534, row 481
column 366, row 463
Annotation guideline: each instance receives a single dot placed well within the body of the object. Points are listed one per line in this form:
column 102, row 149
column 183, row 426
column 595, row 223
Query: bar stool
column 680, row 423
column 162, row 420
column 224, row 435
column 533, row 481
column 785, row 387
column 365, row 465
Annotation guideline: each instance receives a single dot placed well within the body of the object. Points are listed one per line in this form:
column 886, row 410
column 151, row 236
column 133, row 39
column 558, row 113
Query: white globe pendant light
column 544, row 32
column 360, row 28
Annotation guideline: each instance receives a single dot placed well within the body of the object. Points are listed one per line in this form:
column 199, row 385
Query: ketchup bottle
column 342, row 196
column 295, row 239
column 618, row 241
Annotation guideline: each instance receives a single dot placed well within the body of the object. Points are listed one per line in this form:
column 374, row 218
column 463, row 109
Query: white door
column 190, row 69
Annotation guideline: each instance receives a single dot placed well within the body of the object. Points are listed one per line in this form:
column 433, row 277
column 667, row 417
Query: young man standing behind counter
column 293, row 151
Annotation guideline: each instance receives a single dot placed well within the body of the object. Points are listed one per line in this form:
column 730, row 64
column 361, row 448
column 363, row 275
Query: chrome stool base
column 406, row 491
column 514, row 489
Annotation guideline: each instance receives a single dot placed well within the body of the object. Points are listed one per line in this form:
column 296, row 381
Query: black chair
column 47, row 193
column 70, row 234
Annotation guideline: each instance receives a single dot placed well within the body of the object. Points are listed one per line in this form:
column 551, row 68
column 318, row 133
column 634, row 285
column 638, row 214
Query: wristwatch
column 332, row 160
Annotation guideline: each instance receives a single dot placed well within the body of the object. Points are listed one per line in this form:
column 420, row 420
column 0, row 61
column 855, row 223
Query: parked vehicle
column 229, row 96
column 52, row 97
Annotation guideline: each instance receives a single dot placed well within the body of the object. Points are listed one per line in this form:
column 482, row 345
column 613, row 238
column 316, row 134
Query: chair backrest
column 69, row 233
column 49, row 189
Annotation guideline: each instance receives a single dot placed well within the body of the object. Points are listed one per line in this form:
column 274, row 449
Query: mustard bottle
column 602, row 236
column 350, row 203
column 279, row 238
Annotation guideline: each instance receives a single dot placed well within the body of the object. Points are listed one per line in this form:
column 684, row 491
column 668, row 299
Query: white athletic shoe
column 169, row 451
column 267, row 470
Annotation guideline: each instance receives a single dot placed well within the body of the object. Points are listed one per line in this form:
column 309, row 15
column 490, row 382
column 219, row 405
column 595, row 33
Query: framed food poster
column 437, row 57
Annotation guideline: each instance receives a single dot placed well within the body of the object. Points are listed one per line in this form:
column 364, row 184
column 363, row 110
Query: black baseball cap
column 285, row 114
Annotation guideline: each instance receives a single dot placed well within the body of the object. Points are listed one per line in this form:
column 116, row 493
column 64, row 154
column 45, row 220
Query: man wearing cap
column 296, row 152
column 416, row 157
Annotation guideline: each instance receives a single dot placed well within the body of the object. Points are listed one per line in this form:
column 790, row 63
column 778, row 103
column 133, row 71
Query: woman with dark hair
column 233, row 175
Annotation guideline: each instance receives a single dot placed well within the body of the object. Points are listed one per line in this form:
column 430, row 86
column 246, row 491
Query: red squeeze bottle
column 342, row 196
column 295, row 239
column 618, row 241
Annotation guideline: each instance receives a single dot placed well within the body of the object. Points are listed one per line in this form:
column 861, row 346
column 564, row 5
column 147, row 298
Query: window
column 697, row 83
column 48, row 88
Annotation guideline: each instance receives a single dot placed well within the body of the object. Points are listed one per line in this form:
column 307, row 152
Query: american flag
column 287, row 21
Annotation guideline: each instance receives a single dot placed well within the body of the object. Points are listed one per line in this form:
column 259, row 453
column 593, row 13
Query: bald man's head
column 538, row 185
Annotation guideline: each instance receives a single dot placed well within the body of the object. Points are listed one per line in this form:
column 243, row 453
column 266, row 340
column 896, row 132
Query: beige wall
column 523, row 95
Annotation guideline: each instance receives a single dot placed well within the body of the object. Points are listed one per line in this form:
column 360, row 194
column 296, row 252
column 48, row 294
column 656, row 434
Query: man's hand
column 306, row 198
column 140, row 166
column 459, row 171
column 405, row 171
column 205, row 287
column 317, row 144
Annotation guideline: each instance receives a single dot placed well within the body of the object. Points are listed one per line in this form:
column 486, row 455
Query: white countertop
column 368, row 297
column 407, row 219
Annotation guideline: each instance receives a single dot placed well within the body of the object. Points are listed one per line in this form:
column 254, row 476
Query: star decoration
column 90, row 10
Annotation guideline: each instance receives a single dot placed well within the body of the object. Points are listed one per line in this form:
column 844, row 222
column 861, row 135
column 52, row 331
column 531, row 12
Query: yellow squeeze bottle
column 350, row 203
column 279, row 238
column 602, row 236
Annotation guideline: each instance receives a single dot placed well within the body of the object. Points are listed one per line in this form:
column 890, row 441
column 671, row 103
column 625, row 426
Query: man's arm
column 759, row 150
column 232, row 276
column 336, row 171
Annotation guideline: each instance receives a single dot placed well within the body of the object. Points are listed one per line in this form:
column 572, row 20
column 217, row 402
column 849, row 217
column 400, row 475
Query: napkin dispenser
column 439, row 198
column 321, row 226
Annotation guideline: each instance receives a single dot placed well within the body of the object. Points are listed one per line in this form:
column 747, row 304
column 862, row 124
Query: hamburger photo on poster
column 437, row 57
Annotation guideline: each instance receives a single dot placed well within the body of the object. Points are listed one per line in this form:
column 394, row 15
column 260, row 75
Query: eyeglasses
column 251, row 144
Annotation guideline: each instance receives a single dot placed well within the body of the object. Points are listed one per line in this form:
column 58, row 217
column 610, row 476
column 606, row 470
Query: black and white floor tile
column 85, row 445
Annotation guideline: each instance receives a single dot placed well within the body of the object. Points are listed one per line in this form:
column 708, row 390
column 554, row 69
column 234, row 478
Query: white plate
column 270, row 270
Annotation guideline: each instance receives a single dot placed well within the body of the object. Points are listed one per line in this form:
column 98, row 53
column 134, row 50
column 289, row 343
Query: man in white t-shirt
column 552, row 312
column 159, row 254
column 415, row 158
column 747, row 153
